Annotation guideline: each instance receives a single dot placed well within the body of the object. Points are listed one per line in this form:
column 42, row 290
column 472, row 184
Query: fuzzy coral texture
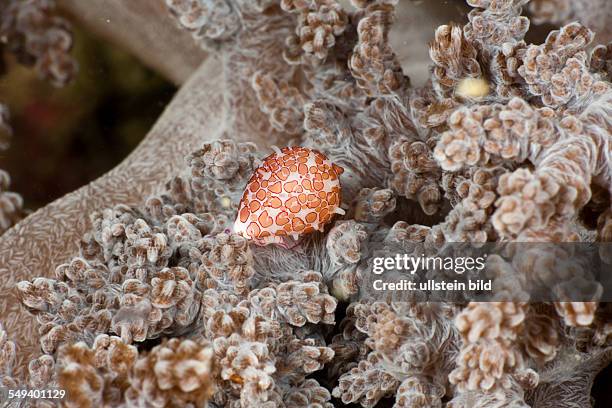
column 165, row 306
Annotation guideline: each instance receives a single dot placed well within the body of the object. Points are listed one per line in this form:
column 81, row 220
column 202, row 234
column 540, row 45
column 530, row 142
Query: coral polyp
column 294, row 192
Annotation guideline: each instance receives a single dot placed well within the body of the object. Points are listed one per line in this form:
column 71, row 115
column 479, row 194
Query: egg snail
column 294, row 192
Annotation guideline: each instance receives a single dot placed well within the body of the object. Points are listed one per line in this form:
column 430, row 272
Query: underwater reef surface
column 163, row 304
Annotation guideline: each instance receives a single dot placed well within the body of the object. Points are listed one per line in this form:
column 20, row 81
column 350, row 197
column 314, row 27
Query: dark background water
column 66, row 137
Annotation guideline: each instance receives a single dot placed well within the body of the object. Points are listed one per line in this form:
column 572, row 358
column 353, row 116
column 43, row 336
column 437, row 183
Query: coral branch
column 142, row 28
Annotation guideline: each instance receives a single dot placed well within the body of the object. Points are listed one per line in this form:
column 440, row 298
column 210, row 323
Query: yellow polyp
column 472, row 88
column 226, row 202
